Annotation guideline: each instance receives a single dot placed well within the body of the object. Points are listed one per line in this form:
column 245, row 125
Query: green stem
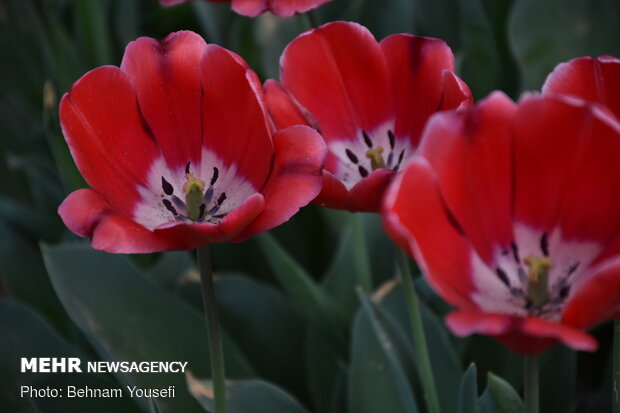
column 419, row 340
column 531, row 388
column 360, row 252
column 616, row 367
column 218, row 375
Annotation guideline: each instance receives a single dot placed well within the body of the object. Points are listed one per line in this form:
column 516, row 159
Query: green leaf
column 468, row 392
column 380, row 366
column 26, row 334
column 546, row 33
column 128, row 318
column 485, row 45
column 500, row 397
column 311, row 300
column 447, row 370
column 246, row 396
column 267, row 327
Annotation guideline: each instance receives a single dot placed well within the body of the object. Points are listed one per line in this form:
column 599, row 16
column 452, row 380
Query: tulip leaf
column 485, row 44
column 381, row 365
column 311, row 300
column 127, row 318
column 246, row 396
column 25, row 334
column 447, row 370
column 500, row 397
column 468, row 392
column 546, row 33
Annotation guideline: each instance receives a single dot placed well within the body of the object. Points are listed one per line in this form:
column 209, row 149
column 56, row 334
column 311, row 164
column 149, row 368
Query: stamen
column 367, row 139
column 169, row 207
column 222, row 198
column 572, row 269
column 400, row 158
column 564, row 291
column 187, row 168
column 390, row 159
column 201, row 212
column 515, row 252
column 363, row 171
column 502, row 276
column 178, row 202
column 166, row 186
column 351, row 156
column 376, row 159
column 544, row 245
column 208, row 195
column 391, row 139
column 216, row 174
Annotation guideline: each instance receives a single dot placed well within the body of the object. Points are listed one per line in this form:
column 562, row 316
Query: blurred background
column 292, row 318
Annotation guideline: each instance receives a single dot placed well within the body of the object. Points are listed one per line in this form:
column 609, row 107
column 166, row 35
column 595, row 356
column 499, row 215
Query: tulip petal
column 283, row 110
column 234, row 122
column 295, row 179
column 367, row 194
column 592, row 79
column 416, row 216
column 107, row 135
column 116, row 234
column 167, row 81
column 339, row 74
column 82, row 210
column 566, row 161
column 524, row 335
column 416, row 65
column 250, row 8
column 286, row 8
column 471, row 153
column 596, row 298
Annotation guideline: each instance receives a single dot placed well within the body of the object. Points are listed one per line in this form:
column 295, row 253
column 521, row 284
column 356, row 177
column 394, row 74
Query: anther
column 366, row 138
column 502, row 276
column 363, row 171
column 222, row 198
column 515, row 252
column 544, row 245
column 178, row 202
column 187, row 167
column 169, row 207
column 392, row 139
column 400, row 158
column 201, row 212
column 216, row 174
column 208, row 195
column 351, row 156
column 166, row 186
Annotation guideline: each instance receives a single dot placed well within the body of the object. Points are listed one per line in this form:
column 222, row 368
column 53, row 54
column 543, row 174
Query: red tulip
column 252, row 8
column 511, row 212
column 592, row 79
column 369, row 100
column 178, row 151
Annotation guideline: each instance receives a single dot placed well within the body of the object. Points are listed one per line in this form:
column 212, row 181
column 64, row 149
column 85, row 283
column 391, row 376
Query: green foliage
column 298, row 338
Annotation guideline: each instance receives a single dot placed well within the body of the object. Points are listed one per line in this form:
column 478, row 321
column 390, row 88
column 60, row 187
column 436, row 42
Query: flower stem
column 616, row 367
column 530, row 383
column 360, row 252
column 218, row 375
column 419, row 339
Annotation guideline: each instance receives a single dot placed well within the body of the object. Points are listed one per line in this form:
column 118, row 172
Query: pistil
column 376, row 158
column 194, row 196
column 537, row 290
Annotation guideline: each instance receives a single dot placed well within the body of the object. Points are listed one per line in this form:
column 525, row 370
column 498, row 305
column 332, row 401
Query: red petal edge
column 523, row 335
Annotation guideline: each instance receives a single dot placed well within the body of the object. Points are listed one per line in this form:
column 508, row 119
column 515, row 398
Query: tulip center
column 198, row 205
column 369, row 152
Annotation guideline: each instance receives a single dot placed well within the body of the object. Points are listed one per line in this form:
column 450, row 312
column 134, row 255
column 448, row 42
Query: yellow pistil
column 538, row 279
column 376, row 159
column 194, row 195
